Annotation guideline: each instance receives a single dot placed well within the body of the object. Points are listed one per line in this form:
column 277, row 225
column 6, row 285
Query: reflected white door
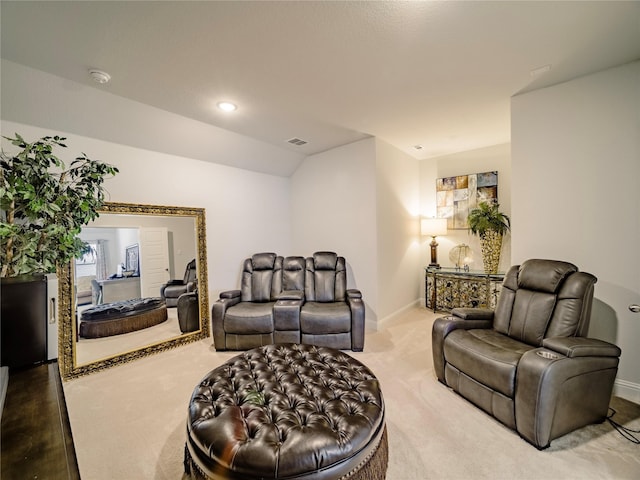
column 154, row 260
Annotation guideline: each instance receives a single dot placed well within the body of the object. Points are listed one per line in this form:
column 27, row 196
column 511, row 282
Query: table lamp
column 433, row 227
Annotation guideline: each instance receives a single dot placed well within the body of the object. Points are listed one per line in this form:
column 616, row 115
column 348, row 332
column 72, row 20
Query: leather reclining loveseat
column 528, row 363
column 290, row 300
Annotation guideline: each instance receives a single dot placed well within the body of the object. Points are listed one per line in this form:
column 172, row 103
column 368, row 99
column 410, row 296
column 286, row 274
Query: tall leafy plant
column 487, row 216
column 44, row 204
column 490, row 224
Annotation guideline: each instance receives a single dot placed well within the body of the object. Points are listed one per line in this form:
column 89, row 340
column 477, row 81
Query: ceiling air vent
column 297, row 141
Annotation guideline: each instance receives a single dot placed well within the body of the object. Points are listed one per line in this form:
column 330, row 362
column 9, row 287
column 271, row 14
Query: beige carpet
column 129, row 422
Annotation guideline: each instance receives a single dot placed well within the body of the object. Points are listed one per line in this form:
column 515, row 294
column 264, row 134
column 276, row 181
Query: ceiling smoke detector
column 99, row 76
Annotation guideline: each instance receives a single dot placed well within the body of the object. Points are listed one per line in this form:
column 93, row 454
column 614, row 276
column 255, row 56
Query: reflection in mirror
column 120, row 301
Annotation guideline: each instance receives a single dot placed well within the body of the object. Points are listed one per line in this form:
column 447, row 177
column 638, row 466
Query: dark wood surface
column 36, row 439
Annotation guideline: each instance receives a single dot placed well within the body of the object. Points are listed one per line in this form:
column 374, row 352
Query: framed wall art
column 132, row 262
column 455, row 196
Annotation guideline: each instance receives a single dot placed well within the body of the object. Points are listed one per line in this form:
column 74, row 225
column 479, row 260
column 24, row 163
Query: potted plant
column 490, row 224
column 43, row 206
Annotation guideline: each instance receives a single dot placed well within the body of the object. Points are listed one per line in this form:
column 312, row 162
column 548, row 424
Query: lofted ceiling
column 435, row 74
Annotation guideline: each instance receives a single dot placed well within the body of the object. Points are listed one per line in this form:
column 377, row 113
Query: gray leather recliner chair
column 243, row 319
column 290, row 300
column 332, row 316
column 529, row 363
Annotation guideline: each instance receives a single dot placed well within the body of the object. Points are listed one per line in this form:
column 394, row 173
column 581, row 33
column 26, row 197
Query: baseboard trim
column 627, row 390
column 397, row 313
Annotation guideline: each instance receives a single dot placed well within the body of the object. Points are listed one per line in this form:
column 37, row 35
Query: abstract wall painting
column 455, row 196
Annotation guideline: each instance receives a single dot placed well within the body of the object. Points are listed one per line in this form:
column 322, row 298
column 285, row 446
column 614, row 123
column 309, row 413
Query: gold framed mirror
column 127, row 267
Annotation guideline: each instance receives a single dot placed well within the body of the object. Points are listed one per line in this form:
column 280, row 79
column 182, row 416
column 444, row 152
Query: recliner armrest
column 175, row 282
column 556, row 393
column 581, row 347
column 286, row 316
column 230, row 294
column 218, row 310
column 473, row 313
column 439, row 331
column 356, row 305
column 291, row 295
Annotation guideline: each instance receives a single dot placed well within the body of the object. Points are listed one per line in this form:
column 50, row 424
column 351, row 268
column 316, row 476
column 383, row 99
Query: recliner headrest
column 263, row 261
column 325, row 260
column 544, row 275
column 293, row 263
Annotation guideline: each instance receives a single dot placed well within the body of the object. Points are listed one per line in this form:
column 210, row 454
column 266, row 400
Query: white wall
column 333, row 198
column 498, row 158
column 246, row 212
column 362, row 201
column 398, row 247
column 575, row 196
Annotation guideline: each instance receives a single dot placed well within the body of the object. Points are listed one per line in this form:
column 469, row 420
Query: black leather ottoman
column 121, row 317
column 287, row 411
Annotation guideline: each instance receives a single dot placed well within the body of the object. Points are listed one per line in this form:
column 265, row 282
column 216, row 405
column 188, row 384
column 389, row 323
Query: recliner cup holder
column 547, row 355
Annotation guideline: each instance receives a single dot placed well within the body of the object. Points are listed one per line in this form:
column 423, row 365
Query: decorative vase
column 491, row 245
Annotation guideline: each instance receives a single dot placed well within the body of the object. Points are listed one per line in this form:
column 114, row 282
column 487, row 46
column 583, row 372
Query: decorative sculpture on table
column 461, row 256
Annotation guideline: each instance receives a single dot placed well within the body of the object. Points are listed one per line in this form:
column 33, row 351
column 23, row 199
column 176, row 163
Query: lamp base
column 434, row 254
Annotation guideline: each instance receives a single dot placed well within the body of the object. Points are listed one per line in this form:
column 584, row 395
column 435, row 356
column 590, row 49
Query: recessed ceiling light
column 227, row 106
column 99, row 76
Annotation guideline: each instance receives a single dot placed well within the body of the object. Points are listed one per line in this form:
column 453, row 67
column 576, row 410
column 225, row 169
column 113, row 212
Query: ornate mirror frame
column 67, row 315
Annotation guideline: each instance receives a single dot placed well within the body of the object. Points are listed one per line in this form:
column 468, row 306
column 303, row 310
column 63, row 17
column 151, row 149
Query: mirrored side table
column 448, row 288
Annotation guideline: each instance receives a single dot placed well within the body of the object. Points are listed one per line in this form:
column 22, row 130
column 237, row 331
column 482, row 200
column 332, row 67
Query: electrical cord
column 627, row 433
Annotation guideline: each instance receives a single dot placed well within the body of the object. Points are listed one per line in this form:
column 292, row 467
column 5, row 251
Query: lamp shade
column 433, row 227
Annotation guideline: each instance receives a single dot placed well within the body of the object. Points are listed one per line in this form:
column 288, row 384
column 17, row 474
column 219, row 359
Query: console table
column 118, row 289
column 448, row 288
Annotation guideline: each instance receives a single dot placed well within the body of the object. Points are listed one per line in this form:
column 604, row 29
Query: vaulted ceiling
column 438, row 75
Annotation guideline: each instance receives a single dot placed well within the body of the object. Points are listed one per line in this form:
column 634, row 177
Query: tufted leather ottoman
column 122, row 317
column 287, row 411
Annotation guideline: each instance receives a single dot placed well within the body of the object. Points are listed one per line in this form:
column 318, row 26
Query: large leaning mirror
column 141, row 288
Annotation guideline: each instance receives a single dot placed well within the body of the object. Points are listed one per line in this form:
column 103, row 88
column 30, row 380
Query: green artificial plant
column 44, row 204
column 487, row 216
column 490, row 224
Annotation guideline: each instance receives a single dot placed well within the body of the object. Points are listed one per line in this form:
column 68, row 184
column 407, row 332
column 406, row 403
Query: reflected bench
column 121, row 317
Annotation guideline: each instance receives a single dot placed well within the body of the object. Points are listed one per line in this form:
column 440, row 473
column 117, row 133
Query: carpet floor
column 129, row 421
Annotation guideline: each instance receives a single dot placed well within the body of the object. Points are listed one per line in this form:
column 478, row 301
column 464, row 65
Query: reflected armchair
column 171, row 291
